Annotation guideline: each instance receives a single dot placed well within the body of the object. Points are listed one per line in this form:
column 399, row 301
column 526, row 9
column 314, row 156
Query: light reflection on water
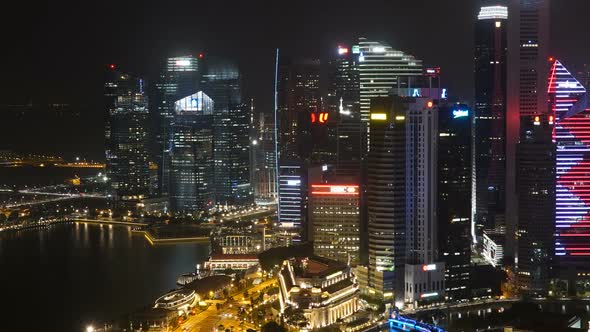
column 86, row 272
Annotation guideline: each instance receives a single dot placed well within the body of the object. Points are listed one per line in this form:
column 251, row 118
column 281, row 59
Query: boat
column 187, row 278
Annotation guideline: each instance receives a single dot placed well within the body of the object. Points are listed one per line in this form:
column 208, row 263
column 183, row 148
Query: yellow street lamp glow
column 379, row 116
column 400, row 118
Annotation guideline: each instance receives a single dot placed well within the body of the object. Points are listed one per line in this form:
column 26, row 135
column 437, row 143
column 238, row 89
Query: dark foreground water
column 63, row 277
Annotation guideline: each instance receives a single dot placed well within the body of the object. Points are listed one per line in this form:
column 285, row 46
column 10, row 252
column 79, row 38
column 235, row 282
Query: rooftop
column 315, row 266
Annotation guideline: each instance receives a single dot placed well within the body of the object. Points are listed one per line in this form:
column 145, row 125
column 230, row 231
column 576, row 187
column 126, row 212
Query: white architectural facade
column 424, row 277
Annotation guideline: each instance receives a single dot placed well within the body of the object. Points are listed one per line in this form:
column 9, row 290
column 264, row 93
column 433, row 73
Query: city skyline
column 137, row 46
column 332, row 166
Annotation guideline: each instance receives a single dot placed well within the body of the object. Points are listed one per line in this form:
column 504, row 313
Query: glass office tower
column 490, row 118
column 127, row 135
column 180, row 77
column 191, row 155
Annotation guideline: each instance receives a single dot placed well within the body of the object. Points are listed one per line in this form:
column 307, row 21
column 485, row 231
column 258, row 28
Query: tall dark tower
column 345, row 101
column 127, row 135
column 222, row 83
column 535, row 183
column 454, row 197
column 191, row 154
column 298, row 97
column 490, row 117
column 180, row 77
column 528, row 42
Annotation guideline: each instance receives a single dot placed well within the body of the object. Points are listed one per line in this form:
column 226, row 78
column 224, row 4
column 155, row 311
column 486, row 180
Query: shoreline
column 173, row 240
column 150, row 238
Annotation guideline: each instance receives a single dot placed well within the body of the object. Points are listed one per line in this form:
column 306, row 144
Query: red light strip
column 333, row 194
column 334, row 185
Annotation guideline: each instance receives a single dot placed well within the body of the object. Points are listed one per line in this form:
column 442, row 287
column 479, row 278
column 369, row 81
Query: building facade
column 127, row 137
column 265, row 170
column 381, row 69
column 454, row 197
column 528, row 42
column 491, row 46
column 386, row 196
column 535, row 183
column 324, row 289
column 298, row 96
column 232, row 117
column 191, row 155
column 335, row 221
column 180, row 77
column 568, row 102
column 422, row 268
column 344, row 100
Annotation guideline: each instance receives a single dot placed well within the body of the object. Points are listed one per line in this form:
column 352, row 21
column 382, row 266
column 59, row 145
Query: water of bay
column 65, row 276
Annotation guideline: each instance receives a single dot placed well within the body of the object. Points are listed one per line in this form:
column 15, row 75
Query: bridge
column 54, row 163
column 54, row 197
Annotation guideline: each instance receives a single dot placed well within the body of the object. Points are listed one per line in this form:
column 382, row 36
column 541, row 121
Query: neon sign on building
column 572, row 137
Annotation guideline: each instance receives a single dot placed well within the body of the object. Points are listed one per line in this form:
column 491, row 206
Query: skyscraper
column 180, row 77
column 265, row 176
column 222, row 83
column 386, row 196
column 127, row 135
column 528, row 44
column 454, row 197
column 535, row 183
column 298, row 94
column 191, row 154
column 424, row 275
column 490, row 117
column 335, row 221
column 294, row 177
column 569, row 103
column 381, row 69
column 529, row 50
column 344, row 98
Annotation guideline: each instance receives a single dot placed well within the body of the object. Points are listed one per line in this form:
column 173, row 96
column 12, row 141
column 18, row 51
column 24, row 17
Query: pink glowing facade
column 568, row 102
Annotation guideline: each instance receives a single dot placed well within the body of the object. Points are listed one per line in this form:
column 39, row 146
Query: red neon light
column 340, row 189
column 333, row 194
column 323, row 117
column 580, row 253
column 333, row 185
column 111, row 66
column 552, row 76
column 201, row 55
column 313, row 118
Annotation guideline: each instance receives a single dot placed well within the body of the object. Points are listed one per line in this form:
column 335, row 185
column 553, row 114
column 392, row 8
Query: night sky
column 57, row 52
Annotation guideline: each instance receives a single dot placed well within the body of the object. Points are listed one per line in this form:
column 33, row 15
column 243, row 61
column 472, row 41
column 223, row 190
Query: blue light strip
column 403, row 322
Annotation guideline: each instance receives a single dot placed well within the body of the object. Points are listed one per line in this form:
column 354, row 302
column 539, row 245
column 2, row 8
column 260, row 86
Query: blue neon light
column 460, row 113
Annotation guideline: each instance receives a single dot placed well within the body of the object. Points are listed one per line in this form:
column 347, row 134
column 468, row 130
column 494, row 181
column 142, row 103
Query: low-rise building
column 324, row 289
column 220, row 262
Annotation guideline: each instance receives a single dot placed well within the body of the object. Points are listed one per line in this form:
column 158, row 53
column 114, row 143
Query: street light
column 89, row 328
